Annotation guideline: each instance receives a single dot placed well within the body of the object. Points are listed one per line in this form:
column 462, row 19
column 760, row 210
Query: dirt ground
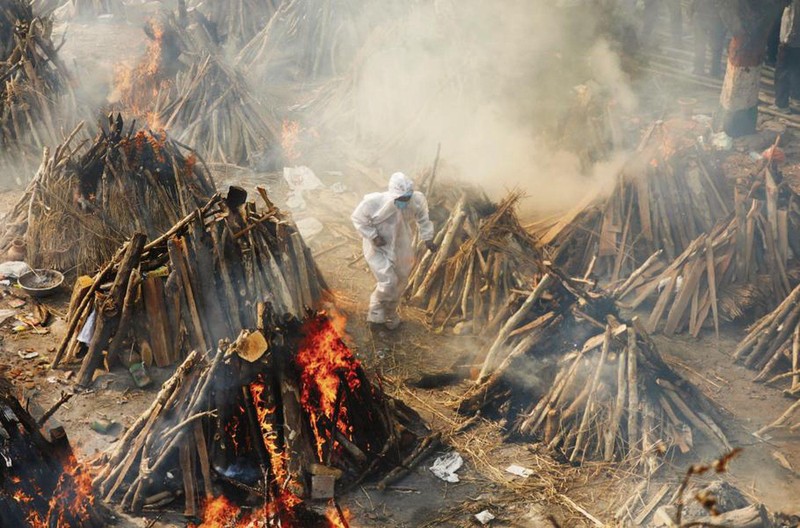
column 402, row 356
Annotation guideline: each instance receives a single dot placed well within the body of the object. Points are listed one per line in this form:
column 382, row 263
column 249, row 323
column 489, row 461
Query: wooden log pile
column 41, row 482
column 746, row 263
column 772, row 345
column 299, row 42
column 667, row 195
column 212, row 108
column 259, row 422
column 571, row 374
column 183, row 84
column 197, row 283
column 237, row 21
column 86, row 200
column 485, row 262
column 36, row 98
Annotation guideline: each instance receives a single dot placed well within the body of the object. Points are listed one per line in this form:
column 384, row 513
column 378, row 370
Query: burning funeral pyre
column 565, row 369
column 83, row 203
column 41, row 483
column 184, row 85
column 746, row 262
column 34, row 87
column 246, row 435
column 668, row 194
column 199, row 282
column 484, row 260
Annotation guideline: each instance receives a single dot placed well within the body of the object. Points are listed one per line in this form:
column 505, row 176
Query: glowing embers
column 42, row 485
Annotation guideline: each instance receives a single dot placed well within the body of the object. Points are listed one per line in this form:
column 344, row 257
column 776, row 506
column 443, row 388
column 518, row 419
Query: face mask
column 401, row 204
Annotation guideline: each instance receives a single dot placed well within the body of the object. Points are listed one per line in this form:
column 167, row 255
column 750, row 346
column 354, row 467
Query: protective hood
column 400, row 185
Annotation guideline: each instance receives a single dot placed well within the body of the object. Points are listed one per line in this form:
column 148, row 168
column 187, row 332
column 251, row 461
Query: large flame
column 325, row 361
column 71, row 501
column 135, row 88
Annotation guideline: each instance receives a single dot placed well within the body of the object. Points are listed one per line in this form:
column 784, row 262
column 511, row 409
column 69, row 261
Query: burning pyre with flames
column 248, row 435
column 42, row 485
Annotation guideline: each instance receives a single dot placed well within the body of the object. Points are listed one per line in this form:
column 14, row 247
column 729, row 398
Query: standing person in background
column 650, row 17
column 384, row 221
column 709, row 34
column 787, row 71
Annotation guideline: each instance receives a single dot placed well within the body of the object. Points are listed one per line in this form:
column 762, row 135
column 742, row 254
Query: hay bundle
column 485, row 260
column 667, row 195
column 84, row 202
column 34, row 86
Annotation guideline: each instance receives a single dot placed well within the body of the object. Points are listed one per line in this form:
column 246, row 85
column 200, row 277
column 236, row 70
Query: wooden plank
column 156, row 312
column 691, row 282
column 712, row 285
column 651, row 505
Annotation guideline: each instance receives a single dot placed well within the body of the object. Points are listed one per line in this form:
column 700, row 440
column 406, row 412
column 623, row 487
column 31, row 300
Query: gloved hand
column 378, row 241
column 433, row 248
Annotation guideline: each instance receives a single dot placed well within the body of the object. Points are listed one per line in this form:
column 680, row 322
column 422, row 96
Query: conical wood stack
column 746, row 262
column 667, row 195
column 567, row 371
column 257, row 422
column 193, row 285
column 486, row 261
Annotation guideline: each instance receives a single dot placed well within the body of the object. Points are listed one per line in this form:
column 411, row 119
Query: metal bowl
column 41, row 283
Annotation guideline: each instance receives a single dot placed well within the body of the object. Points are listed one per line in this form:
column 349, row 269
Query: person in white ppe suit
column 384, row 221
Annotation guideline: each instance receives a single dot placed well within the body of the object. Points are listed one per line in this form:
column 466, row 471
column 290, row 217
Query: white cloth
column 391, row 264
column 790, row 32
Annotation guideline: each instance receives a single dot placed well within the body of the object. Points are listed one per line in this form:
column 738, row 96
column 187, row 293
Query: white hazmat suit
column 379, row 215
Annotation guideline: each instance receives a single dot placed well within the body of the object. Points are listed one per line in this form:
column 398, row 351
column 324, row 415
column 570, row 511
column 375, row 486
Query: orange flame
column 325, row 361
column 70, row 502
column 137, row 87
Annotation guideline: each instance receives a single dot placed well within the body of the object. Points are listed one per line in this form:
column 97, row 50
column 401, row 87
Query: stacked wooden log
column 36, row 98
column 745, row 263
column 195, row 284
column 262, row 421
column 41, row 482
column 86, row 200
column 568, row 372
column 184, row 85
column 299, row 41
column 772, row 345
column 485, row 262
column 212, row 108
column 237, row 21
column 666, row 196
